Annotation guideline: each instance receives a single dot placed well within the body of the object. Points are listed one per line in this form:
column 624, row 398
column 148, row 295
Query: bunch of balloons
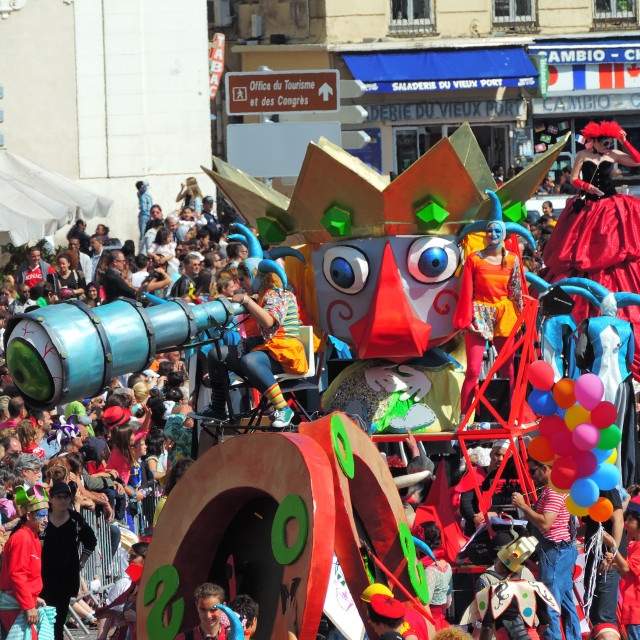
column 578, row 439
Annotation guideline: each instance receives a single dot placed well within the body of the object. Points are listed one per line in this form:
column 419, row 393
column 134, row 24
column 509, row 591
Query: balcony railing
column 411, row 17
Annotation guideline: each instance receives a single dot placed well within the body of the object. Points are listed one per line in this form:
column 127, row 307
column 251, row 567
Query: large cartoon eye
column 346, row 269
column 433, row 259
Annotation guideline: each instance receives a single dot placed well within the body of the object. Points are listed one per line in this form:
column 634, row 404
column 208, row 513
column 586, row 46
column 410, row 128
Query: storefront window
column 410, row 144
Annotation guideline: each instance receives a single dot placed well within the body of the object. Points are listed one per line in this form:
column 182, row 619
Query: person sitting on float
column 490, row 297
column 272, row 345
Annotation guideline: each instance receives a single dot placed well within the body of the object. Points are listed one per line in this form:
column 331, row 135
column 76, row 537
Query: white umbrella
column 36, row 201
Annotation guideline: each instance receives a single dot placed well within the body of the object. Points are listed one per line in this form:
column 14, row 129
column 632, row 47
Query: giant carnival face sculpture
column 385, row 256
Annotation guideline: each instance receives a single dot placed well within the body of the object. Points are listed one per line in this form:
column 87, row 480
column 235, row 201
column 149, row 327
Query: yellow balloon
column 613, row 457
column 553, row 486
column 574, row 509
column 576, row 415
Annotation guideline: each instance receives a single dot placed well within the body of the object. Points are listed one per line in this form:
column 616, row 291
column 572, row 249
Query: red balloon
column 586, row 463
column 604, row 414
column 564, row 472
column 541, row 375
column 562, row 443
column 550, row 425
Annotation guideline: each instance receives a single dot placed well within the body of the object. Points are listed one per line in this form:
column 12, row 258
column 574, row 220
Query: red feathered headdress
column 603, row 130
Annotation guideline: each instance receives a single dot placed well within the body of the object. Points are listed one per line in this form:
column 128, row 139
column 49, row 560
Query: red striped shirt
column 553, row 502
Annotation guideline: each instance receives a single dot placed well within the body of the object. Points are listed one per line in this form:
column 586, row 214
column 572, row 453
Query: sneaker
column 282, row 418
column 212, row 413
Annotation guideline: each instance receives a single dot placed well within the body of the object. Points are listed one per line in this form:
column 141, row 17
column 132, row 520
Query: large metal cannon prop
column 69, row 351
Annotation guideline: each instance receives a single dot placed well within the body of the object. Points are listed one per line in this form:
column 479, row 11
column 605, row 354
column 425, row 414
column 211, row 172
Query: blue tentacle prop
column 237, row 631
column 252, row 243
column 282, row 252
column 422, row 546
column 496, row 216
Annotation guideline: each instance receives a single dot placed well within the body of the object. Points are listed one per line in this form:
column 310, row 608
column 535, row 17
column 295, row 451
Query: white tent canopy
column 36, row 202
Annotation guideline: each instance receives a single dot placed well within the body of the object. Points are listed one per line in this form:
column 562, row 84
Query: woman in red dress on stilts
column 598, row 233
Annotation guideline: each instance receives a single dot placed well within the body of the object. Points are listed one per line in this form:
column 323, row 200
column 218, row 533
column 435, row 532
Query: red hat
column 115, row 416
column 605, row 626
column 387, row 606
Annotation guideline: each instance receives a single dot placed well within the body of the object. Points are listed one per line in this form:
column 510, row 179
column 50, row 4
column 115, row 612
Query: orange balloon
column 563, row 393
column 576, row 415
column 540, row 449
column 602, row 510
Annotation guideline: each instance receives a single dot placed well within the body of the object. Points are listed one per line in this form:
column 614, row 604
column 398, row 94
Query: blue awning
column 442, row 70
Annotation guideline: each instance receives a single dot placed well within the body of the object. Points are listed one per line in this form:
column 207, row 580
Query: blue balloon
column 606, row 476
column 542, row 402
column 601, row 455
column 584, row 492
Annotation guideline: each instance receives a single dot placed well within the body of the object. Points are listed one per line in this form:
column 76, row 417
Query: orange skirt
column 288, row 352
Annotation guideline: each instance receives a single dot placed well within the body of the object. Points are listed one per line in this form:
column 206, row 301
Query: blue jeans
column 556, row 562
column 633, row 631
column 143, row 218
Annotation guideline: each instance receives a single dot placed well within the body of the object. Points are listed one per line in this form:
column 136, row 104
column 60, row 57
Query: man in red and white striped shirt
column 556, row 551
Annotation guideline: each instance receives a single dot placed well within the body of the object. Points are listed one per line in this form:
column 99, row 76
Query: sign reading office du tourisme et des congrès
column 269, row 92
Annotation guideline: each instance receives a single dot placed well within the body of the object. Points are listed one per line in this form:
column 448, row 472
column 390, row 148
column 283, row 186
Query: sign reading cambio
column 282, row 92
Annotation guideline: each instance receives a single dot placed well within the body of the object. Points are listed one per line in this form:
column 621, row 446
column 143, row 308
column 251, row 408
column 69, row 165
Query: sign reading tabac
column 282, row 92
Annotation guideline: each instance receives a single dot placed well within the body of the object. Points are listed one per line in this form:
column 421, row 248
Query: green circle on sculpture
column 416, row 571
column 482, row 605
column 525, row 595
column 342, row 446
column 609, row 438
column 528, row 612
column 29, row 371
column 291, row 508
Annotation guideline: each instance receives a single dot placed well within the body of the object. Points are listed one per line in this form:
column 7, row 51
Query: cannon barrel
column 69, row 351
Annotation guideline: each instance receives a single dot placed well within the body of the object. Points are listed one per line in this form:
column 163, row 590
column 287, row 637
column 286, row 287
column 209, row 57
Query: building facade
column 430, row 65
column 108, row 93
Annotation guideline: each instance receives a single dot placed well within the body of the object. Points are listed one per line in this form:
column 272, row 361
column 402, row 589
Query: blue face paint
column 496, row 233
column 42, row 515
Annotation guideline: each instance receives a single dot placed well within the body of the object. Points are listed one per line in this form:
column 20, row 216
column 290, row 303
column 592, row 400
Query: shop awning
column 442, row 70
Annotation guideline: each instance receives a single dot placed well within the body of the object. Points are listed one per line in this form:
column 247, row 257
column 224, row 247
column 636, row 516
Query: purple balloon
column 586, row 463
column 586, row 436
column 589, row 390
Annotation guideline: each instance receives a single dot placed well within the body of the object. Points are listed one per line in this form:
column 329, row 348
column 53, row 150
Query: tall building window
column 513, row 12
column 615, row 10
column 411, row 17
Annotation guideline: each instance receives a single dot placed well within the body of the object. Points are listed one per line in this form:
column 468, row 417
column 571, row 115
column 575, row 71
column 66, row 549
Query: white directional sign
column 348, row 114
column 275, row 149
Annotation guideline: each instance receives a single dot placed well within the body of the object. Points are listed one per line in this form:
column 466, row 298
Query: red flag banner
column 216, row 64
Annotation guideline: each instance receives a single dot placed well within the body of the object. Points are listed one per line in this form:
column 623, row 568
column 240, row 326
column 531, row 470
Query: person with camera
column 557, row 553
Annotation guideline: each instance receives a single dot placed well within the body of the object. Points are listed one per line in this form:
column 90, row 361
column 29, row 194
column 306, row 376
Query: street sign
column 260, row 92
column 275, row 149
column 352, row 89
column 355, row 139
column 348, row 114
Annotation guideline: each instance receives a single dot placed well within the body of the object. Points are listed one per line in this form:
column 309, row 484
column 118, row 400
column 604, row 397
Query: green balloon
column 609, row 438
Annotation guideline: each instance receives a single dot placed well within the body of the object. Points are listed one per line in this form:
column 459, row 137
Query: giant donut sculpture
column 258, row 510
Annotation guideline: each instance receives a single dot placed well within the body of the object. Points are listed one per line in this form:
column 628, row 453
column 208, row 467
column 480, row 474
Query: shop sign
column 559, row 105
column 455, row 111
column 543, row 78
column 593, row 77
column 582, row 53
column 449, row 85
